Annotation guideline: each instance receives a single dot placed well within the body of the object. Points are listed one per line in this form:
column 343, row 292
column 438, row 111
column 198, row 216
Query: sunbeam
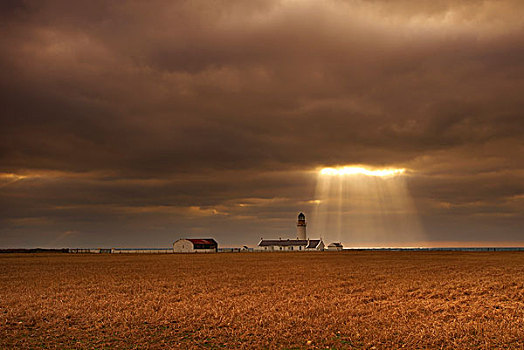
column 362, row 206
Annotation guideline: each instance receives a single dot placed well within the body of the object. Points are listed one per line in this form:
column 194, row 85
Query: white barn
column 288, row 245
column 195, row 245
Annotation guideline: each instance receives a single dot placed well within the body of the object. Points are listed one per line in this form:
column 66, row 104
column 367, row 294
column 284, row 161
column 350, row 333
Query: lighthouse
column 301, row 226
column 301, row 244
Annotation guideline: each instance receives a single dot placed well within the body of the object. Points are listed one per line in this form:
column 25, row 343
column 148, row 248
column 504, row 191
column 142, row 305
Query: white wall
column 284, row 249
column 301, row 232
column 183, row 246
column 204, row 251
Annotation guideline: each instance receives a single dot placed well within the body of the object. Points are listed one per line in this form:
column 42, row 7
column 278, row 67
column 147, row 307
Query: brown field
column 246, row 300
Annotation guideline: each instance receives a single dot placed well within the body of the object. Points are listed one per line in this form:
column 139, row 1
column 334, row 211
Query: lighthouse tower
column 301, row 226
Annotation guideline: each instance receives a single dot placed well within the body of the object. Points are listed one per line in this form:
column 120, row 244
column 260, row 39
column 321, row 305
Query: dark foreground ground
column 289, row 300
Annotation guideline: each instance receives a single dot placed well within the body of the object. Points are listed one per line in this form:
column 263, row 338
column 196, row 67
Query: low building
column 287, row 245
column 335, row 247
column 195, row 245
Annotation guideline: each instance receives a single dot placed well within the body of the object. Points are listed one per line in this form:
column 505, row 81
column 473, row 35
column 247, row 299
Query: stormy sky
column 134, row 123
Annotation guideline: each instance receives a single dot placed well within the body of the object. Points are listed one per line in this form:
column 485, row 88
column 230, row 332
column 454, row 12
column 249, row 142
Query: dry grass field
column 348, row 300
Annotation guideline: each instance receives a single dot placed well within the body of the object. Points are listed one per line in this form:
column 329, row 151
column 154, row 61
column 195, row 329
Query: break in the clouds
column 134, row 123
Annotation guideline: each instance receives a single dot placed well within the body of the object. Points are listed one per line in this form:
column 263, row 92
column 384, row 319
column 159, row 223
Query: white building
column 335, row 247
column 195, row 245
column 287, row 245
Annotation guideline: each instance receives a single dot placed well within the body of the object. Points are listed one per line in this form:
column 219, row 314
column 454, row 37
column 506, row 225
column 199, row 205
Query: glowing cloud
column 353, row 170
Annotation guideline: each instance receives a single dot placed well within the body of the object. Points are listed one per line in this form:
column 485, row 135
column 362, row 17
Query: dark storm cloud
column 133, row 115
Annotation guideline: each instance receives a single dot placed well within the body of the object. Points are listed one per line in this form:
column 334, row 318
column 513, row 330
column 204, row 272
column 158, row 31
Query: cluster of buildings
column 301, row 243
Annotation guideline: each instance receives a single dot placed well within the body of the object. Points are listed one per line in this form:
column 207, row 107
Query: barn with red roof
column 195, row 245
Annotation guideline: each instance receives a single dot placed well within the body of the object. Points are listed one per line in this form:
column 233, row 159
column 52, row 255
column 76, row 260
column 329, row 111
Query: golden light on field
column 392, row 299
column 356, row 170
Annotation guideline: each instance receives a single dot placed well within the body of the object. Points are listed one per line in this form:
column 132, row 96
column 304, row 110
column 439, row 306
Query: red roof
column 202, row 241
